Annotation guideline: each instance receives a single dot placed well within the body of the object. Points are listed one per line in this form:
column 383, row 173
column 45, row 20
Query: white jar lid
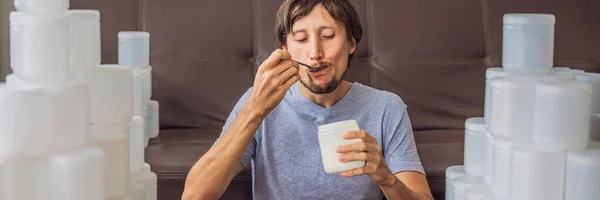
column 559, row 68
column 588, row 76
column 589, row 156
column 529, row 19
column 455, row 171
column 563, row 88
column 133, row 35
column 476, row 124
column 577, row 71
column 463, row 182
column 92, row 15
column 494, row 72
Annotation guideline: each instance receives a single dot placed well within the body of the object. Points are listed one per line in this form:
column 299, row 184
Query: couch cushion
column 175, row 151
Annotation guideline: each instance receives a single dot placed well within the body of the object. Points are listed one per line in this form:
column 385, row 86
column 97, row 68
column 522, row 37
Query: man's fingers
column 290, row 81
column 287, row 74
column 348, row 157
column 274, row 59
column 359, row 134
column 354, row 172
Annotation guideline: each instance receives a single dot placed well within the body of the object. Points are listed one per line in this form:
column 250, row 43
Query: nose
column 316, row 50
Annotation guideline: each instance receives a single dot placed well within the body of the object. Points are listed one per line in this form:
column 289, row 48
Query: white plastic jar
column 489, row 158
column 475, row 146
column 134, row 48
column 562, row 115
column 528, row 43
column 42, row 6
column 502, row 160
column 583, row 174
column 480, row 192
column 536, row 174
column 595, row 127
column 330, row 137
column 490, row 74
column 462, row 183
column 452, row 173
column 84, row 40
column 592, row 80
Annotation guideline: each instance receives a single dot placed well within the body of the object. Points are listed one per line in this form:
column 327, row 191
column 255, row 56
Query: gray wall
column 5, row 7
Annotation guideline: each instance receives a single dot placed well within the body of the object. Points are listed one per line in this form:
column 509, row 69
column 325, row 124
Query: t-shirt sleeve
column 250, row 149
column 399, row 148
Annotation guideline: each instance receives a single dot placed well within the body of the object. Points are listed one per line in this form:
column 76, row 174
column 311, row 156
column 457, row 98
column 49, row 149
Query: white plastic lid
column 146, row 167
column 463, row 182
column 344, row 125
column 15, row 16
column 476, row 124
column 577, row 71
column 455, row 171
column 529, row 18
column 588, row 76
column 133, row 35
column 42, row 19
column 85, row 14
column 590, row 156
column 559, row 88
column 495, row 72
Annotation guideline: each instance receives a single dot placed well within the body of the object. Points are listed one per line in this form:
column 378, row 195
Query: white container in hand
column 475, row 146
column 528, row 43
column 330, row 137
column 536, row 174
column 593, row 80
column 562, row 115
column 583, row 174
column 42, row 6
column 134, row 48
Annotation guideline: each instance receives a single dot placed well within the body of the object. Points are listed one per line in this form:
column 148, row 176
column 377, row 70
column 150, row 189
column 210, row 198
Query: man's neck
column 329, row 99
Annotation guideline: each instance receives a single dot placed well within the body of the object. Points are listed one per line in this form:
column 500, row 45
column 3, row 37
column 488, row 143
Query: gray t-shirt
column 285, row 149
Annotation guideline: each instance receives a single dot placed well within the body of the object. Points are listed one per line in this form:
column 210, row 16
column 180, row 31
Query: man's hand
column 272, row 81
column 368, row 150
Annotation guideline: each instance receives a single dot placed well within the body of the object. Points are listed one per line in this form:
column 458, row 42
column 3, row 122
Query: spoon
column 312, row 69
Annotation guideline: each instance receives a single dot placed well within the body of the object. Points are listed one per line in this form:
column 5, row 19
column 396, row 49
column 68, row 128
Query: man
column 275, row 123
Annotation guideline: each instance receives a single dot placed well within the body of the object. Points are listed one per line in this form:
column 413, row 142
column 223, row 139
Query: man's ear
column 352, row 46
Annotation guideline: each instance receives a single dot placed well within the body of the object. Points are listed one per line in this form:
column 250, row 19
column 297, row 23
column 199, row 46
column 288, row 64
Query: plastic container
column 475, row 146
column 111, row 92
column 528, row 43
column 480, row 192
column 490, row 74
column 148, row 77
column 42, row 6
column 592, row 80
column 511, row 113
column 46, row 39
column 149, row 179
column 489, row 158
column 537, row 175
column 15, row 33
column 462, row 183
column 77, row 174
column 134, row 48
column 39, row 119
column 139, row 88
column 452, row 173
column 115, row 146
column 330, row 137
column 502, row 161
column 559, row 69
column 136, row 144
column 137, row 190
column 24, row 178
column 84, row 40
column 144, row 115
column 146, row 167
column 128, row 196
column 577, row 71
column 583, row 174
column 562, row 116
column 153, row 119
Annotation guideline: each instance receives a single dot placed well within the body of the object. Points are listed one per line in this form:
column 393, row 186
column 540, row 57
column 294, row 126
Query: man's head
column 319, row 33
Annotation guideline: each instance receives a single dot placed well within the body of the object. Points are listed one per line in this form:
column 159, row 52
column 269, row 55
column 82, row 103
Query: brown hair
column 341, row 10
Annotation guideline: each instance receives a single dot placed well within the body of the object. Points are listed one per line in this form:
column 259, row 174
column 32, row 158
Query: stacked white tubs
column 134, row 51
column 536, row 138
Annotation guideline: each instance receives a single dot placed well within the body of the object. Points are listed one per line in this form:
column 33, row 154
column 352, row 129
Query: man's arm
column 210, row 176
column 407, row 185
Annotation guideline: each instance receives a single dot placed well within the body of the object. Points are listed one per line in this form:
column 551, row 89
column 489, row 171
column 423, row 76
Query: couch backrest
column 432, row 53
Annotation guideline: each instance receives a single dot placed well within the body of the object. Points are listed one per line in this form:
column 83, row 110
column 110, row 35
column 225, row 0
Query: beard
column 328, row 88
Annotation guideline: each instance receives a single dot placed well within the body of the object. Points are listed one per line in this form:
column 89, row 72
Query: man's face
column 319, row 40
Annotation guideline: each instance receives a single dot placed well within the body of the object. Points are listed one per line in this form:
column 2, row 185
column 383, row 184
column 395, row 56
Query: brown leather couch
column 432, row 53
